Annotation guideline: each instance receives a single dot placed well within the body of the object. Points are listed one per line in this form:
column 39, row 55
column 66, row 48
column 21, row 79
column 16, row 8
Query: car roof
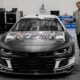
column 40, row 16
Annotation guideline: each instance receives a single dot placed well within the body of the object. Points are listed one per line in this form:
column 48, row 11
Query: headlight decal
column 10, row 36
column 63, row 50
column 8, row 65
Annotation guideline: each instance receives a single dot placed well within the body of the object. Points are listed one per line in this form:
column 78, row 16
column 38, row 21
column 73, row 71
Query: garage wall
column 1, row 3
column 32, row 6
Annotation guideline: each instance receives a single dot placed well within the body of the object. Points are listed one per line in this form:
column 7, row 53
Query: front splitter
column 67, row 69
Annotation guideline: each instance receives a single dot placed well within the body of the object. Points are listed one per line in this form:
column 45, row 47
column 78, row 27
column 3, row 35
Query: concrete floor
column 74, row 76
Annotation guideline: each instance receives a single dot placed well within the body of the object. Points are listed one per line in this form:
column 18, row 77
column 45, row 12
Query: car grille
column 33, row 65
column 32, row 54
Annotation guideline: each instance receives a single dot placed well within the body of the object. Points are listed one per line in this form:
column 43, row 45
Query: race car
column 37, row 45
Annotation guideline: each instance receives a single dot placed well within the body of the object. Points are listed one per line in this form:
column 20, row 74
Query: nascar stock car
column 37, row 45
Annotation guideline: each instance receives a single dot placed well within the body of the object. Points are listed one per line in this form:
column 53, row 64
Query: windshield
column 31, row 24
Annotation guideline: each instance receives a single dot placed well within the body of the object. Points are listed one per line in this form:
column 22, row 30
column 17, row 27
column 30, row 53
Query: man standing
column 76, row 17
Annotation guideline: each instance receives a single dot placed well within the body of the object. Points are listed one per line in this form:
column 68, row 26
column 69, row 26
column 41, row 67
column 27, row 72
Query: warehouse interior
column 19, row 8
column 12, row 10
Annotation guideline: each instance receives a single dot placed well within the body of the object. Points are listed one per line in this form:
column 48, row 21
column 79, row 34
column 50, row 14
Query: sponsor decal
column 35, row 35
column 39, row 35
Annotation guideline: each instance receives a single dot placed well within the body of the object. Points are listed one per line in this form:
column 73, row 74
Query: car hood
column 34, row 41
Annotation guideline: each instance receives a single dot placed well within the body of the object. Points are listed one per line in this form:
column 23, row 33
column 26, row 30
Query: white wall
column 1, row 3
column 32, row 6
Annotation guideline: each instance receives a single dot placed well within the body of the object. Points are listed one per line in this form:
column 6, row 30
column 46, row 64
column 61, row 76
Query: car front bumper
column 38, row 66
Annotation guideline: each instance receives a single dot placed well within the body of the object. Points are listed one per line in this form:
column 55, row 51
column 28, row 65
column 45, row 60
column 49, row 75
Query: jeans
column 78, row 40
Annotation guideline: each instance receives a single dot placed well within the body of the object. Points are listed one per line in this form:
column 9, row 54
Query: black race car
column 37, row 45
